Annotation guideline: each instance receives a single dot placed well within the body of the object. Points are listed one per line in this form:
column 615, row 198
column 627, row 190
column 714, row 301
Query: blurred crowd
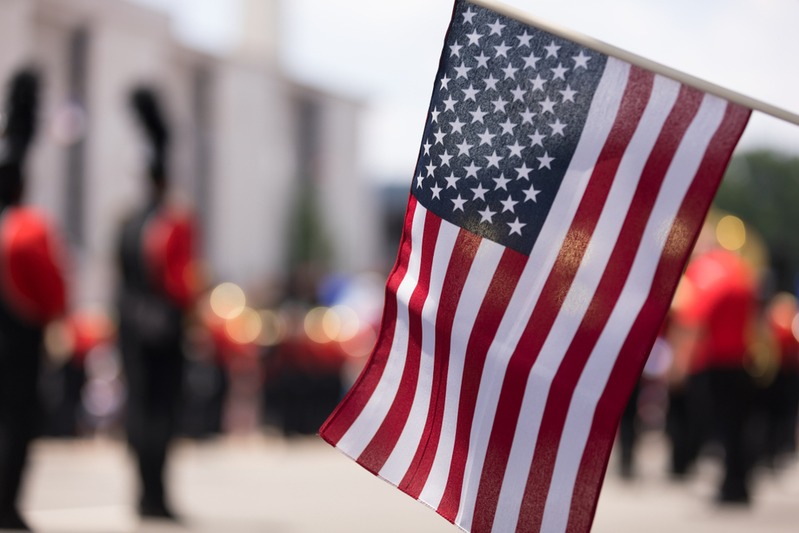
column 183, row 356
column 722, row 379
column 178, row 355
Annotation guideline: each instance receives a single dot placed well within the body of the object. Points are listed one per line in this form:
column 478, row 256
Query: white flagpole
column 610, row 50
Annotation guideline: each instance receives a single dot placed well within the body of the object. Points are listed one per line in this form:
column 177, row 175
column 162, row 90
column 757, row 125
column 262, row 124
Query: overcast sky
column 386, row 54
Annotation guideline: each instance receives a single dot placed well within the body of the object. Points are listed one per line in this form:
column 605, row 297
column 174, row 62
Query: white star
column 449, row 104
column 581, row 60
column 493, row 159
column 524, row 172
column 552, row 49
column 502, row 49
column 546, row 105
column 507, row 127
column 457, row 126
column 452, row 180
column 463, row 148
column 477, row 115
column 479, row 192
column 530, row 194
column 545, row 161
column 509, row 71
column 470, row 93
column 524, row 39
column 445, row 157
column 538, row 82
column 559, row 71
column 430, row 169
column 445, row 82
column 440, row 137
column 499, row 102
column 531, row 61
column 518, row 94
column 491, row 82
column 468, row 15
column 516, row 149
column 482, row 60
column 463, row 71
column 508, row 204
column 516, row 227
column 434, row 116
column 487, row 215
column 557, row 127
column 496, row 28
column 527, row 116
column 419, row 180
column 568, row 94
column 427, row 146
column 486, row 138
column 436, row 190
column 458, row 203
column 502, row 182
column 471, row 170
column 455, row 49
column 536, row 139
column 474, row 38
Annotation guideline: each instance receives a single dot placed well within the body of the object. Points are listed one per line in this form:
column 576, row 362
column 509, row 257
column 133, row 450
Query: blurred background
column 294, row 129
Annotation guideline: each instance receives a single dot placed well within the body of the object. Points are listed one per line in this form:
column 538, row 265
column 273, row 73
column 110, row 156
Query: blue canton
column 507, row 111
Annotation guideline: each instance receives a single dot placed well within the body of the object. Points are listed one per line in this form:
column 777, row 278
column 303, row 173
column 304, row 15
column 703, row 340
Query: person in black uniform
column 152, row 301
column 31, row 294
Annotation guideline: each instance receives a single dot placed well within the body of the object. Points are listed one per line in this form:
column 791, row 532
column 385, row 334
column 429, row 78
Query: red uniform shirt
column 31, row 265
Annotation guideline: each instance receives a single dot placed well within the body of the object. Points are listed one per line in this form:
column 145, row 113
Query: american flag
column 556, row 198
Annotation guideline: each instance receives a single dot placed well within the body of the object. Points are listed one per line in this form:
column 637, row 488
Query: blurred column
column 78, row 53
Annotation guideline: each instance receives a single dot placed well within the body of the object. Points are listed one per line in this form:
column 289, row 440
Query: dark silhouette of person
column 155, row 251
column 31, row 294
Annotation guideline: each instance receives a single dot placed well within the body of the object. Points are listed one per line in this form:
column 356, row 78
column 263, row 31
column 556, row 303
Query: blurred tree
column 762, row 188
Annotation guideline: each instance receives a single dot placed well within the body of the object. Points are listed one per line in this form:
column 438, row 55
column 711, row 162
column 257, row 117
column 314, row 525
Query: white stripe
column 475, row 287
column 599, row 122
column 368, row 422
column 401, row 456
column 597, row 254
column 636, row 290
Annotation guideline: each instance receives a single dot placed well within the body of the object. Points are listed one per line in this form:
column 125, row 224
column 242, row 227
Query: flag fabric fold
column 556, row 198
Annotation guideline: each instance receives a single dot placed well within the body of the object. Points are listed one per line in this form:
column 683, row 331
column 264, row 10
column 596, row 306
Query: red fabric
column 780, row 319
column 32, row 266
column 169, row 242
column 722, row 304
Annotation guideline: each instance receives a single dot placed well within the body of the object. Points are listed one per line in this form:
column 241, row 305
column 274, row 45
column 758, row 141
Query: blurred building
column 248, row 143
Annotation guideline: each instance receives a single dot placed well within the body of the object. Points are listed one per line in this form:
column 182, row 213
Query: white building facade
column 245, row 140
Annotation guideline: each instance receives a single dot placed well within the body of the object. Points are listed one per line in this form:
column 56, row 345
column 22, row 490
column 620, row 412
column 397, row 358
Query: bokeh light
column 731, row 232
column 795, row 327
column 349, row 323
column 273, row 328
column 245, row 327
column 315, row 325
column 227, row 300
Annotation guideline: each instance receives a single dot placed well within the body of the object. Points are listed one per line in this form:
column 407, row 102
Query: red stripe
column 460, row 264
column 633, row 355
column 382, row 444
column 636, row 95
column 604, row 300
column 351, row 407
column 492, row 309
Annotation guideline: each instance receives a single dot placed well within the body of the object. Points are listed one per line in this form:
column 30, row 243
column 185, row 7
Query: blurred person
column 714, row 321
column 31, row 295
column 781, row 396
column 157, row 290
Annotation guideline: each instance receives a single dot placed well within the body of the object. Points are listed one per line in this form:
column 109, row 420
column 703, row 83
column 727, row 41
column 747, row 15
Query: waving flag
column 556, row 198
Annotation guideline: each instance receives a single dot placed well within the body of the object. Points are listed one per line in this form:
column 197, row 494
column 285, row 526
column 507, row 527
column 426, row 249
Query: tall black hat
column 145, row 103
column 20, row 127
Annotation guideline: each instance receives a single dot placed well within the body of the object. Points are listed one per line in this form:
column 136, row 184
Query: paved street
column 271, row 485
